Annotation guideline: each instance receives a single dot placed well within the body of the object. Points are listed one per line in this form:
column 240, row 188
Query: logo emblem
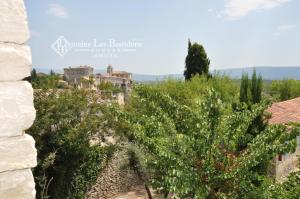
column 61, row 46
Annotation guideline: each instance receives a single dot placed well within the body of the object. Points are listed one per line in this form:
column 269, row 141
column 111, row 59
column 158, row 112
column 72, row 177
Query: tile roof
column 285, row 112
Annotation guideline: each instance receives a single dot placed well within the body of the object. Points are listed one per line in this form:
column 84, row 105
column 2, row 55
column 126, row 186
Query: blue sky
column 235, row 33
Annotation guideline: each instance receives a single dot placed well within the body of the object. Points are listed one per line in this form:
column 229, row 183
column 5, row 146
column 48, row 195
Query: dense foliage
column 196, row 62
column 44, row 81
column 189, row 91
column 251, row 90
column 107, row 86
column 192, row 146
column 289, row 189
column 282, row 90
column 250, row 95
column 67, row 163
column 203, row 138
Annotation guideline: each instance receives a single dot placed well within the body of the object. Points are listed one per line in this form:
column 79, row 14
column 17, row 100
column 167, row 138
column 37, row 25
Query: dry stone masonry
column 17, row 113
column 116, row 178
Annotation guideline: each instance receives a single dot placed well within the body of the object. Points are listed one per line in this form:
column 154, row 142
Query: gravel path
column 138, row 192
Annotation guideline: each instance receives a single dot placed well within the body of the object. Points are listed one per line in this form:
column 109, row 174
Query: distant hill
column 268, row 73
column 149, row 78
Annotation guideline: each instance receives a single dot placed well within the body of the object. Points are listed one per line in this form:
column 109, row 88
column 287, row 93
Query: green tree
column 190, row 91
column 251, row 91
column 244, row 89
column 108, row 86
column 45, row 81
column 33, row 75
column 256, row 87
column 196, row 62
column 285, row 89
column 65, row 124
column 52, row 73
column 193, row 150
column 251, row 94
column 289, row 189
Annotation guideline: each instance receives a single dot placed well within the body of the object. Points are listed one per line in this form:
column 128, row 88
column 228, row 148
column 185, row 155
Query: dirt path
column 138, row 192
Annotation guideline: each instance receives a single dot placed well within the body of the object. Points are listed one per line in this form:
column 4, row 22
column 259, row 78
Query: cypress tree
column 52, row 73
column 189, row 44
column 256, row 87
column 244, row 89
column 33, row 74
column 251, row 91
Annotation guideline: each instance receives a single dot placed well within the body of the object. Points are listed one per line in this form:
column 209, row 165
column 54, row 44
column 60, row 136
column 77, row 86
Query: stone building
column 17, row 113
column 75, row 75
column 120, row 79
column 284, row 113
column 84, row 77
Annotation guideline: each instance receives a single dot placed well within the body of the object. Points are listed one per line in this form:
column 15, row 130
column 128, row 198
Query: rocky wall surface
column 17, row 113
column 114, row 179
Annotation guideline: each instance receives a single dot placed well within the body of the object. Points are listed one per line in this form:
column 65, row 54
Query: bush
column 192, row 140
column 190, row 91
column 65, row 123
column 107, row 86
column 285, row 89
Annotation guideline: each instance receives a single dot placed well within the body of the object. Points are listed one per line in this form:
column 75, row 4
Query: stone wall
column 114, row 179
column 17, row 113
column 287, row 165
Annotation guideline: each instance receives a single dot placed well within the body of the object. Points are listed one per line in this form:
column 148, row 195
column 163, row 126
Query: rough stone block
column 17, row 184
column 13, row 21
column 17, row 153
column 17, row 112
column 15, row 62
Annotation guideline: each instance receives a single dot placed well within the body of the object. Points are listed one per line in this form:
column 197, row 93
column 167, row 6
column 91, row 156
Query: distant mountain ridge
column 267, row 72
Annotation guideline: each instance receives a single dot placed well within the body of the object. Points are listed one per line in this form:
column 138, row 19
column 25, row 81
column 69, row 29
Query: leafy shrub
column 192, row 146
column 67, row 162
column 107, row 86
column 287, row 89
column 189, row 91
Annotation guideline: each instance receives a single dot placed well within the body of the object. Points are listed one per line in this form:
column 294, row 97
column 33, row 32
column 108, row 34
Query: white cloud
column 210, row 10
column 235, row 9
column 58, row 11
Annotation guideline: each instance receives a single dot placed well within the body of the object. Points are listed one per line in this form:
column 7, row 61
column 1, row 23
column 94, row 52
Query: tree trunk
column 148, row 192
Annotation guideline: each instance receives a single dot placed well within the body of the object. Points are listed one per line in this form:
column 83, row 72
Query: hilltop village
column 109, row 85
column 84, row 77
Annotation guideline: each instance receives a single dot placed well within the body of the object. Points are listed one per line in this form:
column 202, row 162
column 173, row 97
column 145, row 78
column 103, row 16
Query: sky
column 151, row 37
